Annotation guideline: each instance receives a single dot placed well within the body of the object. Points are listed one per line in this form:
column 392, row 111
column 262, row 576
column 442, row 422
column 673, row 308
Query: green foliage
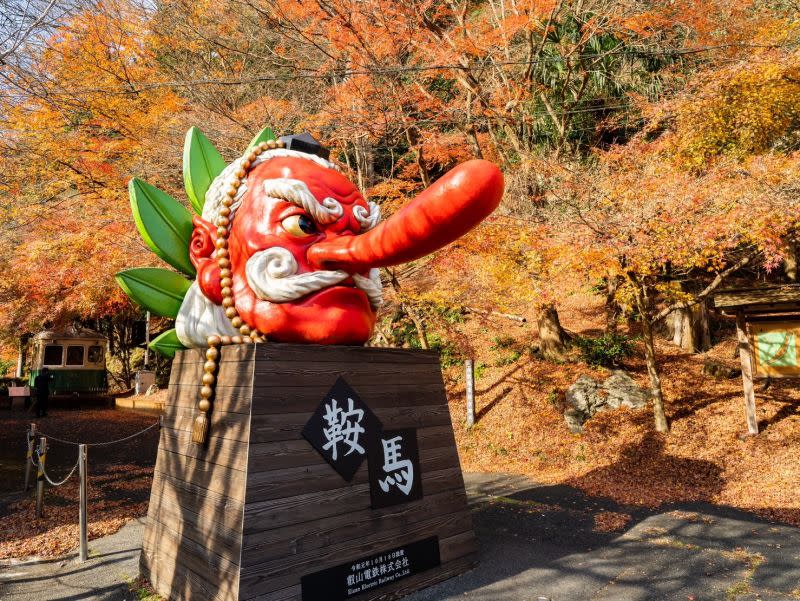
column 167, row 344
column 448, row 353
column 451, row 315
column 164, row 224
column 512, row 357
column 202, row 162
column 160, row 291
column 479, row 370
column 502, row 342
column 607, row 350
column 6, row 365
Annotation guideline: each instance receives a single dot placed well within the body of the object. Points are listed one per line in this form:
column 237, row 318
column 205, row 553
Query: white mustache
column 272, row 274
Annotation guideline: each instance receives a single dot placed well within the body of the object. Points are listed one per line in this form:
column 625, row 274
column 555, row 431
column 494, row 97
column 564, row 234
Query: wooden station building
column 768, row 331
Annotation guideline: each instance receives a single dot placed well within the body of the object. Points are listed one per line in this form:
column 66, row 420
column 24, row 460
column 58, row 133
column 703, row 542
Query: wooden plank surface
column 299, row 538
column 296, row 453
column 320, row 504
column 257, row 508
column 740, row 298
column 291, row 482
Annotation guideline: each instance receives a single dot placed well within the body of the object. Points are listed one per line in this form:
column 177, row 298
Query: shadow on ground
column 553, row 542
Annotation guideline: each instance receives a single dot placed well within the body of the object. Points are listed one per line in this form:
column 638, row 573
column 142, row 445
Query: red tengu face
column 335, row 314
column 301, row 260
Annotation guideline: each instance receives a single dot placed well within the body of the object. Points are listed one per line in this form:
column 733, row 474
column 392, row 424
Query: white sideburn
column 199, row 318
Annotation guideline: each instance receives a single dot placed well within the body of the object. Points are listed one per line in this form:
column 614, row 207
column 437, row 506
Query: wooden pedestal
column 257, row 508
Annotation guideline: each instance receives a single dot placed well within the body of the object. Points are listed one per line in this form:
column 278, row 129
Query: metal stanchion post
column 470, row 386
column 28, row 464
column 82, row 471
column 40, row 477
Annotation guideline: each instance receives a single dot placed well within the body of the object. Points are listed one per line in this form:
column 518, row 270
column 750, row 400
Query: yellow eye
column 300, row 225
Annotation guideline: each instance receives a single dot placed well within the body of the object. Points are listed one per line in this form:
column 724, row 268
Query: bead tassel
column 248, row 335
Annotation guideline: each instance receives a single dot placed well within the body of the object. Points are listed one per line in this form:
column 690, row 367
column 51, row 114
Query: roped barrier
column 37, row 458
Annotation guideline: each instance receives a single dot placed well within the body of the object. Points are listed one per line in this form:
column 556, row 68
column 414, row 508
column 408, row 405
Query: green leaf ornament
column 167, row 344
column 164, row 224
column 160, row 291
column 262, row 136
column 202, row 162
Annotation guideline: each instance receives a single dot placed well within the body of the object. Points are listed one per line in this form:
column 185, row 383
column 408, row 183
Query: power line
column 137, row 87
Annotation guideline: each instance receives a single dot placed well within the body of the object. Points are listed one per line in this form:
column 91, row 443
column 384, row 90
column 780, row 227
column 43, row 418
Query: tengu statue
column 284, row 247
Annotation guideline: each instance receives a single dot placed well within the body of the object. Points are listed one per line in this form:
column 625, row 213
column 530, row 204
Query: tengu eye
column 300, row 225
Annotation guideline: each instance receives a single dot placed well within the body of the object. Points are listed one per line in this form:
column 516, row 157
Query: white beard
column 200, row 318
column 272, row 274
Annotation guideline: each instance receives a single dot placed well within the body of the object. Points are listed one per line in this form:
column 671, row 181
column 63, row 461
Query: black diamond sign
column 394, row 473
column 342, row 429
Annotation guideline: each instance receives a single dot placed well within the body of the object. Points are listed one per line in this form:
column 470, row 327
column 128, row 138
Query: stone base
column 251, row 513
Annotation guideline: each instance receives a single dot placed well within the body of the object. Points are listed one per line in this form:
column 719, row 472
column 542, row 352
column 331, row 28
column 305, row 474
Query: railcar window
column 53, row 354
column 75, row 355
column 95, row 354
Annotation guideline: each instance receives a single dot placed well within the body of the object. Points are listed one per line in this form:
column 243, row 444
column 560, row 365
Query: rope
column 46, row 477
column 100, row 444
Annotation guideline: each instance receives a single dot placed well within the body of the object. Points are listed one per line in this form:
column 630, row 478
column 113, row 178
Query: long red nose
column 444, row 212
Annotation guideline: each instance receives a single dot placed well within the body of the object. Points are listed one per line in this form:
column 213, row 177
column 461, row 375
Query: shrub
column 608, row 350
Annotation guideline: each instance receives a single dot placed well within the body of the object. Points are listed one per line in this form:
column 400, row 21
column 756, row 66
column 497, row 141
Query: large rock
column 720, row 371
column 623, row 391
column 588, row 396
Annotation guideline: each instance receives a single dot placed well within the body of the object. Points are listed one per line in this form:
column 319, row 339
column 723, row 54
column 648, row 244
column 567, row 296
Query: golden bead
column 236, row 339
column 246, row 164
column 206, row 392
column 227, row 302
column 244, row 329
column 236, row 322
column 281, row 143
column 225, row 282
column 223, row 222
column 226, row 339
column 227, row 202
column 225, row 273
column 230, row 312
column 226, row 291
column 210, row 366
column 247, row 340
column 225, row 211
column 263, row 145
column 252, row 157
column 213, row 340
column 240, row 173
column 222, row 253
column 222, row 231
column 212, row 354
column 208, row 379
column 204, row 405
column 223, row 262
column 236, row 183
column 221, row 243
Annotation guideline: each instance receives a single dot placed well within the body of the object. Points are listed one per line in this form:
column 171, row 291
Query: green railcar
column 76, row 360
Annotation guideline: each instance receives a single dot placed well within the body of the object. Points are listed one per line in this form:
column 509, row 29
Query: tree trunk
column 690, row 329
column 552, row 337
column 612, row 309
column 790, row 263
column 419, row 325
column 650, row 356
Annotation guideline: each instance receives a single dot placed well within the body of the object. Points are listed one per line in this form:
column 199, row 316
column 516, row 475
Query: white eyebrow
column 325, row 211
